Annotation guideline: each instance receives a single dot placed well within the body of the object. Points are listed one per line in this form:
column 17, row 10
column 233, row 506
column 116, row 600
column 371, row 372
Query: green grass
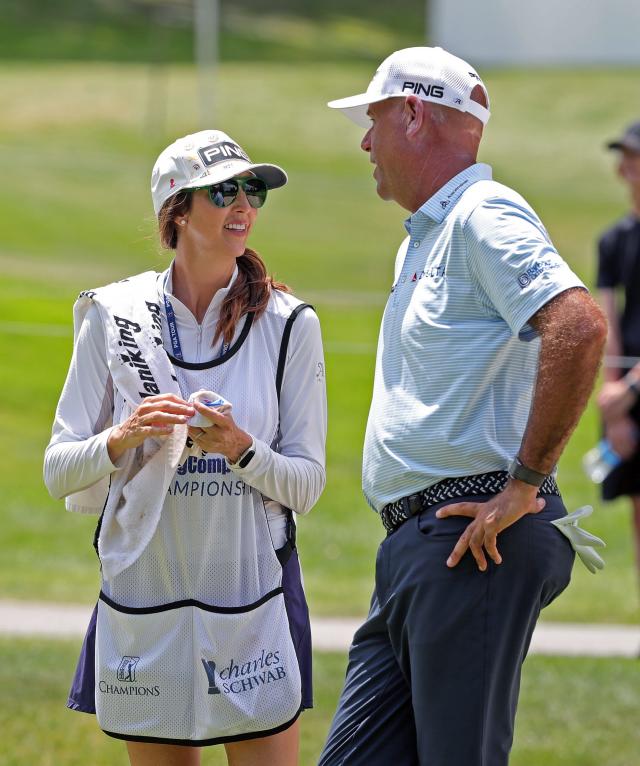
column 78, row 142
column 573, row 712
column 284, row 30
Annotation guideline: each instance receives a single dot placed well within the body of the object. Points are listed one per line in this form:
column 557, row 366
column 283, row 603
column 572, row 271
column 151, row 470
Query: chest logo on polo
column 435, row 272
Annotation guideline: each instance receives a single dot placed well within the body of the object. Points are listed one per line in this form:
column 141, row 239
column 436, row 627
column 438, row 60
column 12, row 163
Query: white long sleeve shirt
column 77, row 455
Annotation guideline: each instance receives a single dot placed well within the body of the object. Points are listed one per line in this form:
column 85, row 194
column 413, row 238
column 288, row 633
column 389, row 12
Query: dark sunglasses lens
column 256, row 191
column 223, row 194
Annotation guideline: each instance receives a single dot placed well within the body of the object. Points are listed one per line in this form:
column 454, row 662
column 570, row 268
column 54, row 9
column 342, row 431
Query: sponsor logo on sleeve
column 525, row 278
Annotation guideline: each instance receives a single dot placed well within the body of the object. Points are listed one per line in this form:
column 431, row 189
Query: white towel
column 139, row 367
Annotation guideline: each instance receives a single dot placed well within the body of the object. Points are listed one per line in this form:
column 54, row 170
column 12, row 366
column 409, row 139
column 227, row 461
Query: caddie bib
column 193, row 643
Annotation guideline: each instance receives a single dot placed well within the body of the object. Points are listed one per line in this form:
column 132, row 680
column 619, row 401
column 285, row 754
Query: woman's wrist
column 244, row 445
column 115, row 446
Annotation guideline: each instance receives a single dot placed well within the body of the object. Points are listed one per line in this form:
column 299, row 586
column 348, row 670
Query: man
column 487, row 354
column 619, row 267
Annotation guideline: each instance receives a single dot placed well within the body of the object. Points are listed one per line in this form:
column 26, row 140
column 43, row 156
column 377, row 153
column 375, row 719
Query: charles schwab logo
column 126, row 674
column 236, row 678
column 533, row 272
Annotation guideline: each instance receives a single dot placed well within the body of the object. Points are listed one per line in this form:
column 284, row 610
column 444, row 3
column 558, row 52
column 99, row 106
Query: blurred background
column 92, row 90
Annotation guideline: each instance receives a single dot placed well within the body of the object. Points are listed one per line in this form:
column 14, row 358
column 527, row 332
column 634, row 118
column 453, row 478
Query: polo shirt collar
column 438, row 207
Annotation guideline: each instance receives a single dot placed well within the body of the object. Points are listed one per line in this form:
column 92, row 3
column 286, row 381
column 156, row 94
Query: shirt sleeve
column 608, row 262
column 295, row 475
column 77, row 455
column 516, row 268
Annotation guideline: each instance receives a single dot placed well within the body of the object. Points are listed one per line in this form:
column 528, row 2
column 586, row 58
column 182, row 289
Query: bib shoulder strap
column 284, row 553
column 284, row 344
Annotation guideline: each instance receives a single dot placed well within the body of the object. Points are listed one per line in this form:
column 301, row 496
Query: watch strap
column 246, row 457
column 521, row 472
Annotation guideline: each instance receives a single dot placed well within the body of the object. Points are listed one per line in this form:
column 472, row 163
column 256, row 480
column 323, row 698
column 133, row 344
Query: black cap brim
column 625, row 143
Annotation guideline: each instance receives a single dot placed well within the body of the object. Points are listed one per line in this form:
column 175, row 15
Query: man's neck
column 432, row 177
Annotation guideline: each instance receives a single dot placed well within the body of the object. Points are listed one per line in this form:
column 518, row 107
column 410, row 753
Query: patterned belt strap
column 396, row 513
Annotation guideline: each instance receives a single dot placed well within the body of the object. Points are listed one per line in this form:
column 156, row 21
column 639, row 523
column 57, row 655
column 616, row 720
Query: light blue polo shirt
column 457, row 361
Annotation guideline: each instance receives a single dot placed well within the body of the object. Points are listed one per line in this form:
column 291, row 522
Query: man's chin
column 381, row 189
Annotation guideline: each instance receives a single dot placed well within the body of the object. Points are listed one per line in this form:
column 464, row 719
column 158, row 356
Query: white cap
column 432, row 74
column 203, row 159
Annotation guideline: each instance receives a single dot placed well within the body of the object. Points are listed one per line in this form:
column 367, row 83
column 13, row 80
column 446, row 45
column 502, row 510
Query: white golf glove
column 582, row 542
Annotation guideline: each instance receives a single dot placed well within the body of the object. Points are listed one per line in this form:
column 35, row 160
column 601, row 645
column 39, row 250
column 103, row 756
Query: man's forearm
column 573, row 332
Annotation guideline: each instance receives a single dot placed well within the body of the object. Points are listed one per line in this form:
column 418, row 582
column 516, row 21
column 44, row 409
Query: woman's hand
column 223, row 436
column 154, row 417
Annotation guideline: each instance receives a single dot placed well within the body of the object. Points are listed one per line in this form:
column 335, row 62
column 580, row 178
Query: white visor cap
column 432, row 74
column 203, row 159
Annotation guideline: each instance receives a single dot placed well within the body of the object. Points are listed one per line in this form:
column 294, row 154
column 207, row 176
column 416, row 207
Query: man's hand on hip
column 489, row 519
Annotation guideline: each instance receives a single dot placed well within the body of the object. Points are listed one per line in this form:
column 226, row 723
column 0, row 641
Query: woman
column 201, row 632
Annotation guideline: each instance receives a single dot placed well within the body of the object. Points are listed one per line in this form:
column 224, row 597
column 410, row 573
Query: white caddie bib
column 193, row 644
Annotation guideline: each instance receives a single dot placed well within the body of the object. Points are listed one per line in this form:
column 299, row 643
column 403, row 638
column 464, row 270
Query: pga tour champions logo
column 127, row 669
column 235, row 678
column 128, row 685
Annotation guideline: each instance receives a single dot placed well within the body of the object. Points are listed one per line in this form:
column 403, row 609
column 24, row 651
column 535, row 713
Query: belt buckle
column 412, row 504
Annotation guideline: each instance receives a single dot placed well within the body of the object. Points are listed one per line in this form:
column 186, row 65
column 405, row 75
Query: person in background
column 487, row 355
column 193, row 418
column 619, row 272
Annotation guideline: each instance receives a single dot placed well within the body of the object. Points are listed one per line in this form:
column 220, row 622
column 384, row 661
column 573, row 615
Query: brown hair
column 251, row 290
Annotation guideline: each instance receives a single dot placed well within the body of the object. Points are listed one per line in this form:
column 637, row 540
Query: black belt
column 396, row 513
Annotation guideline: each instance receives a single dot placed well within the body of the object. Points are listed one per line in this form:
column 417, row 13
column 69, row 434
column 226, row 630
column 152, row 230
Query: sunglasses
column 225, row 193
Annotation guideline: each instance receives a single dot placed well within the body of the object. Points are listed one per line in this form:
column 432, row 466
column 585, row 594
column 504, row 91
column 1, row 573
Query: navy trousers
column 434, row 672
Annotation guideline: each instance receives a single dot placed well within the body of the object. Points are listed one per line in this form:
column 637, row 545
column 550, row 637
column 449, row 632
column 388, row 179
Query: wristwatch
column 519, row 471
column 246, row 457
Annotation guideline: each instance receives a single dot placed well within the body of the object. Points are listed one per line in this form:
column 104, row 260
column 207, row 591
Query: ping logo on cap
column 435, row 91
column 215, row 153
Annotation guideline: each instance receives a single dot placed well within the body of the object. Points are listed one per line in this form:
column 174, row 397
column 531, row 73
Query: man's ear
column 413, row 114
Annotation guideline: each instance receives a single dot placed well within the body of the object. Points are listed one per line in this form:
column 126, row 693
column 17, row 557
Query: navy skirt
column 82, row 693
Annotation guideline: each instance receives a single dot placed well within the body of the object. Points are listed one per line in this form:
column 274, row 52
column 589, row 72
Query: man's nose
column 365, row 144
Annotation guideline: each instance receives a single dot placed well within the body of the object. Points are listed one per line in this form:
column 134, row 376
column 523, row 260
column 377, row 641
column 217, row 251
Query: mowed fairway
column 77, row 142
